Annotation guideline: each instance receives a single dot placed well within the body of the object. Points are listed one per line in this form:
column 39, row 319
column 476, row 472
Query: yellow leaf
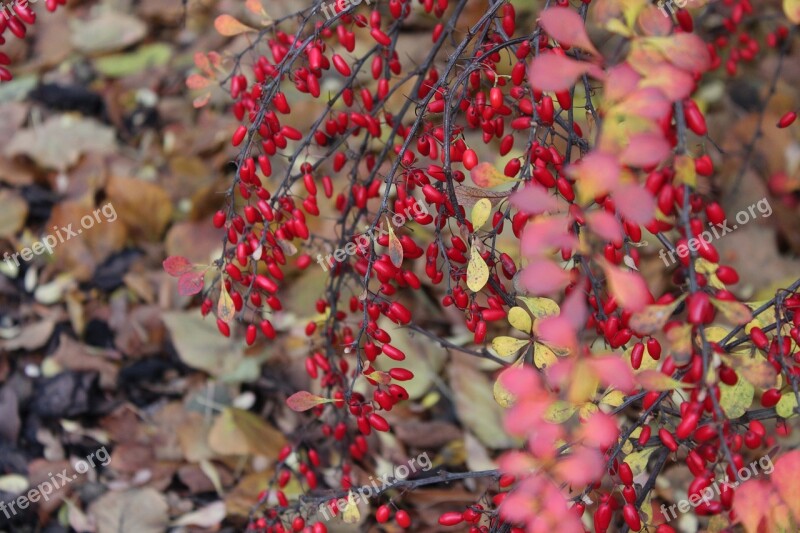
column 587, row 410
column 508, row 346
column 501, row 395
column 559, row 412
column 520, row 319
column 351, row 514
column 685, row 171
column 734, row 312
column 627, row 446
column 228, row 26
column 540, row 307
column 647, row 508
column 395, row 248
column 792, row 10
column 477, row 271
column 583, row 384
column 767, row 318
column 735, row 399
column 787, row 405
column 614, row 398
column 543, row 356
column 480, row 213
column 638, row 460
column 225, row 307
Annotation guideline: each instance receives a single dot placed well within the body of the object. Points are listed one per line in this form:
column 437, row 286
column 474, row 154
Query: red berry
column 403, row 519
column 787, row 119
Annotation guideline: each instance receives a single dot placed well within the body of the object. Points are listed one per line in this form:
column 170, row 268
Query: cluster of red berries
column 421, row 159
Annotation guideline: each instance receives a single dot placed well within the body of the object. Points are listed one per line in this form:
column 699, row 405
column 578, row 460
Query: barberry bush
column 509, row 180
column 529, row 162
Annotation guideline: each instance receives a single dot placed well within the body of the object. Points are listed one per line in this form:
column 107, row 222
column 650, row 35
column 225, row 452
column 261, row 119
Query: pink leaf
column 635, row 203
column 534, row 200
column 613, row 372
column 746, row 503
column 176, row 265
column 628, row 288
column 553, row 72
column 191, row 283
column 566, row 27
column 654, row 23
column 605, row 225
column 304, row 400
column 547, row 233
column 786, row 480
column 558, row 331
column 686, row 51
column 544, row 277
column 674, row 83
column 646, row 149
column 648, row 102
column 621, row 80
column 600, row 431
column 581, row 467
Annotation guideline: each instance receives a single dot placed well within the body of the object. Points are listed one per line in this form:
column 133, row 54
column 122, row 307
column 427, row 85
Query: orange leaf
column 628, row 288
column 196, row 81
column 486, row 175
column 228, row 26
column 304, row 400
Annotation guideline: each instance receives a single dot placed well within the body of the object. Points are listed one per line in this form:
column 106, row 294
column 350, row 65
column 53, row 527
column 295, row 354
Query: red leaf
column 635, row 203
column 176, row 265
column 552, row 72
column 567, row 27
column 191, row 283
column 304, row 400
column 621, row 81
